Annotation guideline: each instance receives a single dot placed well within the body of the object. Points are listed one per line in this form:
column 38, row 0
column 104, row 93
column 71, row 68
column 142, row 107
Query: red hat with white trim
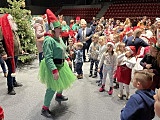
column 132, row 49
column 111, row 43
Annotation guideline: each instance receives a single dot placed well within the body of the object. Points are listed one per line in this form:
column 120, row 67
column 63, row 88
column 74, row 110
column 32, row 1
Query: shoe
column 110, row 91
column 16, row 84
column 61, row 98
column 127, row 96
column 94, row 76
column 102, row 88
column 81, row 76
column 98, row 81
column 120, row 95
column 90, row 75
column 99, row 84
column 116, row 86
column 46, row 113
column 5, row 74
column 11, row 92
column 114, row 80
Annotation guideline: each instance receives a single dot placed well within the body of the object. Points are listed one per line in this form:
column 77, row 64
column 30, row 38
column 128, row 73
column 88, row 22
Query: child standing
column 102, row 49
column 93, row 53
column 140, row 106
column 120, row 49
column 151, row 61
column 109, row 61
column 79, row 60
column 70, row 50
column 125, row 62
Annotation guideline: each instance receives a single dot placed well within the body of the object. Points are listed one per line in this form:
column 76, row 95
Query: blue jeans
column 101, row 73
column 3, row 65
column 10, row 80
column 96, row 66
column 79, row 68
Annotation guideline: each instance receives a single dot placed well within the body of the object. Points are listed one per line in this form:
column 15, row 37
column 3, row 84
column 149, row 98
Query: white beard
column 13, row 25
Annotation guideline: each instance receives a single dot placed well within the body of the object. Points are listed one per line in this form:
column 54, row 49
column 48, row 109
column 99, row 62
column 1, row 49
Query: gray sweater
column 94, row 51
column 109, row 60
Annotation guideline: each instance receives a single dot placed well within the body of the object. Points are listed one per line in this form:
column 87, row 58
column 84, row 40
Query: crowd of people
column 122, row 50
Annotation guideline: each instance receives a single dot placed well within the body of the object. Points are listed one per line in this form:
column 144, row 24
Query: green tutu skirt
column 66, row 77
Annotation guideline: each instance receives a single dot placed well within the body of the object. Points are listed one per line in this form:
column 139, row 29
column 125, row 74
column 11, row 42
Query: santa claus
column 10, row 48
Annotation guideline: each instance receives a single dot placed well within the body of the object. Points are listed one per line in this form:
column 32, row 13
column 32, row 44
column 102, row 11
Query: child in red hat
column 126, row 62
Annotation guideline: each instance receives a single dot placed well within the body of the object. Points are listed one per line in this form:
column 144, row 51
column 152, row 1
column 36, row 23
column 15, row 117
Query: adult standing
column 54, row 71
column 39, row 33
column 10, row 49
column 84, row 35
column 76, row 25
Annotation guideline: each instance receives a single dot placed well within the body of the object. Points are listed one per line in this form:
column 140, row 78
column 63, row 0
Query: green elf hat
column 52, row 20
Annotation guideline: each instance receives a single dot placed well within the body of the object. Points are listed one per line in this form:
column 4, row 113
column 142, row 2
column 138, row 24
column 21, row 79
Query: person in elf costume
column 76, row 26
column 54, row 72
column 10, row 48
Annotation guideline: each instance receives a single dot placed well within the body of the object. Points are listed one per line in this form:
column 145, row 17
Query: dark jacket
column 137, row 42
column 148, row 59
column 140, row 106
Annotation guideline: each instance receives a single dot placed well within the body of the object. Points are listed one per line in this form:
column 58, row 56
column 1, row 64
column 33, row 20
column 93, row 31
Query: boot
column 61, row 98
column 11, row 92
column 102, row 88
column 127, row 96
column 116, row 86
column 78, row 76
column 100, row 83
column 110, row 91
column 16, row 84
column 120, row 95
column 90, row 75
column 46, row 113
column 94, row 76
column 81, row 76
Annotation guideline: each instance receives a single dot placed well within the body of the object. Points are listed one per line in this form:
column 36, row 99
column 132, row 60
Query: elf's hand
column 55, row 74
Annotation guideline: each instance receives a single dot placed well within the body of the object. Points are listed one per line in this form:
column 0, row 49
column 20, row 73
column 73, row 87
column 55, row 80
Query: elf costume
column 54, row 62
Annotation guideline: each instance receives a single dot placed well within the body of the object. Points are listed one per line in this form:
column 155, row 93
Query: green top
column 75, row 27
column 53, row 49
column 65, row 28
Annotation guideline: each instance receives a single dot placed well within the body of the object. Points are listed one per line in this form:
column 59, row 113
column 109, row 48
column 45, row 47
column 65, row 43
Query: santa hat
column 78, row 18
column 132, row 49
column 128, row 30
column 8, row 39
column 52, row 20
column 111, row 43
